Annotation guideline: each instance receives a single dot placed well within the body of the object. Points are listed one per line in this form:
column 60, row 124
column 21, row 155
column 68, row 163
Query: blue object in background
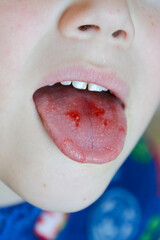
column 116, row 215
column 16, row 222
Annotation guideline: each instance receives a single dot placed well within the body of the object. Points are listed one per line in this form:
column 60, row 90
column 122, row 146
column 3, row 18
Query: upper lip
column 109, row 80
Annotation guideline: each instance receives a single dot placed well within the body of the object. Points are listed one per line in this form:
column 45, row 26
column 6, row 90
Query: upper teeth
column 84, row 85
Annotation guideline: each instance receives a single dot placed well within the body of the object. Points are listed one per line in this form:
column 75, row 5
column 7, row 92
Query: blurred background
column 153, row 130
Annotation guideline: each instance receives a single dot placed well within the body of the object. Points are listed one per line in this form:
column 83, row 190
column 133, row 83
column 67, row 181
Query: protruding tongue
column 88, row 127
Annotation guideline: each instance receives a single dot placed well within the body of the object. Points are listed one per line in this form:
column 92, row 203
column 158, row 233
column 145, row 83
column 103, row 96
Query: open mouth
column 85, row 120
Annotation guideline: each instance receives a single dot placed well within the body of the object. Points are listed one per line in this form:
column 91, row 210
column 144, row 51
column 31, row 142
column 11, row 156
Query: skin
column 39, row 37
column 153, row 129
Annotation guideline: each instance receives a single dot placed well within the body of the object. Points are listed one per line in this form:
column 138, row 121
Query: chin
column 63, row 206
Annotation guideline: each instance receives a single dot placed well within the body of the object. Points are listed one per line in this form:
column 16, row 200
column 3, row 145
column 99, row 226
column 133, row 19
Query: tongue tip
column 80, row 158
column 94, row 157
column 70, row 150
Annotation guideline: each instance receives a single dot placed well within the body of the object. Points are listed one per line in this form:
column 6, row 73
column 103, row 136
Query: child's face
column 40, row 37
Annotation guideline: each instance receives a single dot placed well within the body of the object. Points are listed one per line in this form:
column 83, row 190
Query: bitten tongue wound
column 88, row 127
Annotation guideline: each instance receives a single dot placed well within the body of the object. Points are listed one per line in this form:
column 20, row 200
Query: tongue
column 88, row 127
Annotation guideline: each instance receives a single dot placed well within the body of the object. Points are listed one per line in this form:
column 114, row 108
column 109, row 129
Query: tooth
column 66, row 83
column 94, row 87
column 51, row 84
column 79, row 85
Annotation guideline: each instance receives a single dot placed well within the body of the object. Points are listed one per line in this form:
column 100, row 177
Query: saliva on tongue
column 88, row 127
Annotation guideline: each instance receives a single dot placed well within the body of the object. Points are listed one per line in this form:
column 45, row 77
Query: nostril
column 117, row 34
column 86, row 27
column 120, row 34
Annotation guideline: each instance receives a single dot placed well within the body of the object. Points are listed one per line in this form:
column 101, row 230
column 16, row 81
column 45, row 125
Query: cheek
column 22, row 24
column 153, row 63
column 152, row 38
column 153, row 46
column 149, row 47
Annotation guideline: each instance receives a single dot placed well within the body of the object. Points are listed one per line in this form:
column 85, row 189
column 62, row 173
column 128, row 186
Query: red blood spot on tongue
column 88, row 127
column 74, row 116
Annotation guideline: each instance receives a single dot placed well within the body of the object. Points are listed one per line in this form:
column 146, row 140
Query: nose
column 109, row 19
